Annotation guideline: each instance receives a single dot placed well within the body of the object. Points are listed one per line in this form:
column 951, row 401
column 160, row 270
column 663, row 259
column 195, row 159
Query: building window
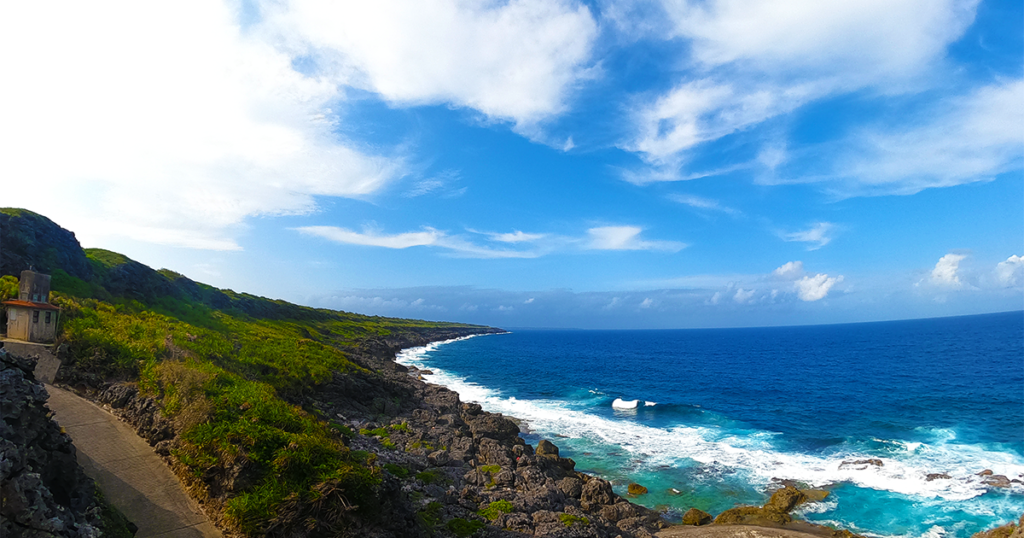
column 35, row 316
column 48, row 317
column 13, row 314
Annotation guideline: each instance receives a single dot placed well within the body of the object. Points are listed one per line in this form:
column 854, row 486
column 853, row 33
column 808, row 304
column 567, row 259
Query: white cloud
column 1011, row 272
column 513, row 60
column 647, row 303
column 515, row 237
column 404, row 240
column 750, row 61
column 965, row 139
column 702, row 203
column 743, row 296
column 813, row 288
column 626, row 238
column 516, row 244
column 140, row 132
column 714, row 298
column 818, row 235
column 790, row 270
column 945, row 271
column 529, row 301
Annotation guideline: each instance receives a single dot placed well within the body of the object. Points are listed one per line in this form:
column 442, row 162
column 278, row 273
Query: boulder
column 998, row 481
column 636, row 489
column 695, row 517
column 986, row 472
column 785, row 499
column 596, row 492
column 752, row 515
column 571, row 487
column 814, row 495
column 861, row 464
column 546, row 448
column 937, row 476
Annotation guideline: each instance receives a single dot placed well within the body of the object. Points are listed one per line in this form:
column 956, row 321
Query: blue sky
column 538, row 163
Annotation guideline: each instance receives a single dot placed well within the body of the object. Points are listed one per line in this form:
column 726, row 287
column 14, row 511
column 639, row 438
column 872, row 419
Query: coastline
column 789, row 528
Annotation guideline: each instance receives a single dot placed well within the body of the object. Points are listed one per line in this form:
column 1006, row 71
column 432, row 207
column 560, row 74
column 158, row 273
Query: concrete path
column 132, row 477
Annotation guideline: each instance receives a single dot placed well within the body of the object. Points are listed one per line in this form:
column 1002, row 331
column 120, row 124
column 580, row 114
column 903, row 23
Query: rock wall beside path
column 45, row 490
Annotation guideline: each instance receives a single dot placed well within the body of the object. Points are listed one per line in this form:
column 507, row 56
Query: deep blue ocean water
column 724, row 414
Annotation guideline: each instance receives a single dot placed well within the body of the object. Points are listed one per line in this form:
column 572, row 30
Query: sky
column 536, row 163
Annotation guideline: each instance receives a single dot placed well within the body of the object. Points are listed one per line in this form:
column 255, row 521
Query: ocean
column 722, row 415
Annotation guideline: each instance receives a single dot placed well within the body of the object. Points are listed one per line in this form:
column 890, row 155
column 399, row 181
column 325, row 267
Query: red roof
column 30, row 304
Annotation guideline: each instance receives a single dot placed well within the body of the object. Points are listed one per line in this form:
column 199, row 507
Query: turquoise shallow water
column 722, row 415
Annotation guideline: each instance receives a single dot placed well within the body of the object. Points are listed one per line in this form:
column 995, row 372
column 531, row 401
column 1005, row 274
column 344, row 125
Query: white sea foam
column 650, row 404
column 904, row 471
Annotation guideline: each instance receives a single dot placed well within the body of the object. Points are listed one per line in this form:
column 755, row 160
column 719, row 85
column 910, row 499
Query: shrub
column 495, row 509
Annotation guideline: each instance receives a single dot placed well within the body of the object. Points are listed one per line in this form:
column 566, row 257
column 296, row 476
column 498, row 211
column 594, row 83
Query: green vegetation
column 463, row 528
column 113, row 522
column 8, row 287
column 495, row 509
column 492, row 469
column 423, row 444
column 568, row 520
column 397, row 470
column 430, row 515
column 226, row 367
column 431, row 476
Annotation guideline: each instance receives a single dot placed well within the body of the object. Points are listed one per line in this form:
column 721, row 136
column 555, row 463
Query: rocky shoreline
column 451, row 469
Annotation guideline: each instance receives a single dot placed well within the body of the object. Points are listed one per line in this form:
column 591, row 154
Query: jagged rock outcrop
column 32, row 240
column 44, row 489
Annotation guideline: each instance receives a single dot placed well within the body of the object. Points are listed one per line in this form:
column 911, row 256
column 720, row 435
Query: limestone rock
column 694, row 516
column 636, row 489
column 546, row 448
column 785, row 499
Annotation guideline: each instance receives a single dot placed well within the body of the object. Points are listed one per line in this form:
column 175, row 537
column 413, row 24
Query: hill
column 229, row 376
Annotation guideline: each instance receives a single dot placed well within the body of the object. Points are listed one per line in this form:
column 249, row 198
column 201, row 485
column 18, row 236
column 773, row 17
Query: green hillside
column 230, row 369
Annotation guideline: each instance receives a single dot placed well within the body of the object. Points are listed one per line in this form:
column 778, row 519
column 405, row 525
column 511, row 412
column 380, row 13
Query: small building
column 31, row 317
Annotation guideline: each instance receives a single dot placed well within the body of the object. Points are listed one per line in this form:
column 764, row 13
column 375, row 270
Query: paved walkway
column 132, row 477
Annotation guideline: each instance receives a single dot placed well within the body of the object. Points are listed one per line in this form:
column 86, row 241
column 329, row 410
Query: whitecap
column 755, row 454
column 650, row 404
column 619, row 403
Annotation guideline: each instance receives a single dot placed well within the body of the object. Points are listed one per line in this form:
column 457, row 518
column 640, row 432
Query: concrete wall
column 34, row 287
column 23, row 325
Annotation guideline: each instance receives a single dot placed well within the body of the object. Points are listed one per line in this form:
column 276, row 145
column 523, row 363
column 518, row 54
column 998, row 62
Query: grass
column 569, row 520
column 226, row 381
column 431, row 476
column 495, row 509
column 225, row 367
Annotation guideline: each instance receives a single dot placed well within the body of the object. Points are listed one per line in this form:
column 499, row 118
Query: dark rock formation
column 860, row 465
column 937, row 476
column 32, row 240
column 45, row 491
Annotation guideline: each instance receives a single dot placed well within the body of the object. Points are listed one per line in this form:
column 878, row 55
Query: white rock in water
column 619, row 403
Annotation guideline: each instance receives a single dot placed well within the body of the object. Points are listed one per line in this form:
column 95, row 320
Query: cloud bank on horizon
column 600, row 146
